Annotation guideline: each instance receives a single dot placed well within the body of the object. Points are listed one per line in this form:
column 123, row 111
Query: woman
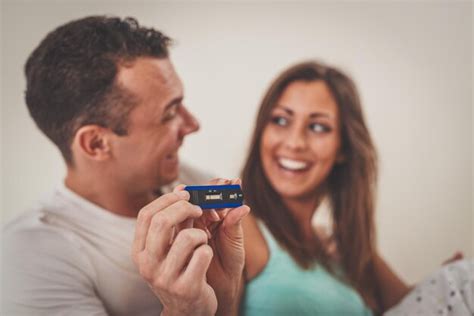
column 310, row 145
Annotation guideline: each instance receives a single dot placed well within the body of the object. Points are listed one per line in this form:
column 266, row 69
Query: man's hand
column 174, row 262
column 227, row 242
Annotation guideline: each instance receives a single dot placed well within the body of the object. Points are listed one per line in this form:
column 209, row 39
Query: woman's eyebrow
column 284, row 108
column 311, row 115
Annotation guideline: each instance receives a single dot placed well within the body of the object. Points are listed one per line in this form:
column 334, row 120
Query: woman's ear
column 92, row 142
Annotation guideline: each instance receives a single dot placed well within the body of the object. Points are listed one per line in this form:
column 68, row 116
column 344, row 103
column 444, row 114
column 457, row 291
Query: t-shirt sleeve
column 44, row 273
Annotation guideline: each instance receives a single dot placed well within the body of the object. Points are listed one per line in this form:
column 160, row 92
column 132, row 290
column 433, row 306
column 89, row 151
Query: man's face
column 147, row 157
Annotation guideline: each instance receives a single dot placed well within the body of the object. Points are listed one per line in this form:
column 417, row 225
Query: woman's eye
column 281, row 121
column 319, row 128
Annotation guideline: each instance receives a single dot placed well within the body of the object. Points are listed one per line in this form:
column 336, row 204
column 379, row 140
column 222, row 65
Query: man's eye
column 319, row 128
column 281, row 121
column 170, row 114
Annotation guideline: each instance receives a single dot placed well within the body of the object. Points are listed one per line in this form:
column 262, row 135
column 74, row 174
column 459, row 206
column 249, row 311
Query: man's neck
column 109, row 196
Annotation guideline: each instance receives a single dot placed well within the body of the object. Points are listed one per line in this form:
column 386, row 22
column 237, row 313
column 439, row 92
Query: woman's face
column 301, row 141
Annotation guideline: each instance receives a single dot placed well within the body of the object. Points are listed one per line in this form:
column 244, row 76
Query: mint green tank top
column 284, row 288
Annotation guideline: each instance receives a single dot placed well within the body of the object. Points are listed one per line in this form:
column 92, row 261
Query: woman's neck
column 303, row 210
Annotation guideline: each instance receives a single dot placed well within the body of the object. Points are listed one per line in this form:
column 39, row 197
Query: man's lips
column 172, row 157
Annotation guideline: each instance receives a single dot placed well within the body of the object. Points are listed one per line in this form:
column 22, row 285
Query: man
column 105, row 92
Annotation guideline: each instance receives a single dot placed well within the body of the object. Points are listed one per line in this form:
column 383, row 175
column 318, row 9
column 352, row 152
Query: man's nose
column 190, row 123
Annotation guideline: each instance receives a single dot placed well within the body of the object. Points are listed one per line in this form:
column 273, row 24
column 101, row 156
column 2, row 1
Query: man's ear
column 93, row 142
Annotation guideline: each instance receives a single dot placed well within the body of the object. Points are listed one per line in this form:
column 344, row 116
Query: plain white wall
column 412, row 63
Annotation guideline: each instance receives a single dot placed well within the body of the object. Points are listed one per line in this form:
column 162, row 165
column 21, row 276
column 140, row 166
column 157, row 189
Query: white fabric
column 323, row 220
column 450, row 291
column 68, row 256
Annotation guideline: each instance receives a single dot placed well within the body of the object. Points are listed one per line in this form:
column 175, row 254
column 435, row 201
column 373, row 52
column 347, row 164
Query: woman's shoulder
column 256, row 249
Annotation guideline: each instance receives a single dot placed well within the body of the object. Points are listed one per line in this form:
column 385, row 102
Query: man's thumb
column 233, row 220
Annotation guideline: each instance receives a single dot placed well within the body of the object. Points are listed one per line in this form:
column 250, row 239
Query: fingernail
column 179, row 187
column 183, row 194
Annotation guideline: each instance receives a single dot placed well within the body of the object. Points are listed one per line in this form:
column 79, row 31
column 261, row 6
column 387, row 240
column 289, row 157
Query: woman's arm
column 390, row 287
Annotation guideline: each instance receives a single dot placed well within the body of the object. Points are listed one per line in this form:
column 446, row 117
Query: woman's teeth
column 293, row 165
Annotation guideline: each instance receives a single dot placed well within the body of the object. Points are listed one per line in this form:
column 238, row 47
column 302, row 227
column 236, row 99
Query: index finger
column 164, row 222
column 146, row 214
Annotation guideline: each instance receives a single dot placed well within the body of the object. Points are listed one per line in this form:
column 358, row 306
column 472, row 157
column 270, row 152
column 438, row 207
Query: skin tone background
column 412, row 63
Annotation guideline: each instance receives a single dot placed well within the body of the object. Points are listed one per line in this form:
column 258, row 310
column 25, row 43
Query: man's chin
column 168, row 178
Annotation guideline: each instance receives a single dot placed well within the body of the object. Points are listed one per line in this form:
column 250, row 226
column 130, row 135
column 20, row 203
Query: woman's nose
column 296, row 139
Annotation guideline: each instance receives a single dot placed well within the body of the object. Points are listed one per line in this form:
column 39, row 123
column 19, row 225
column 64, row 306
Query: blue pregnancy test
column 215, row 196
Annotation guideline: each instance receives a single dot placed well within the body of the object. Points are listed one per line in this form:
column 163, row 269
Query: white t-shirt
column 68, row 256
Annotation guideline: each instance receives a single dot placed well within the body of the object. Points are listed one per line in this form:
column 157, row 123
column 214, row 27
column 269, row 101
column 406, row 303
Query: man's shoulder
column 42, row 261
column 33, row 243
column 42, row 227
column 35, row 230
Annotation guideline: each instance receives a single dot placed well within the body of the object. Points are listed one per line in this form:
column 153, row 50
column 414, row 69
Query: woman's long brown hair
column 350, row 185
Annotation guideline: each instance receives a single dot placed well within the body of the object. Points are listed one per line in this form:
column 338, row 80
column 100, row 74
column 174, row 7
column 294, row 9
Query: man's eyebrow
column 174, row 102
column 312, row 115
